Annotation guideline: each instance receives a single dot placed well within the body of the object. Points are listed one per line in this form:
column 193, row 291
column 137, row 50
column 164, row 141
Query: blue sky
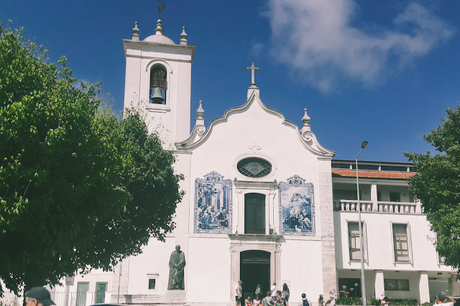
column 381, row 71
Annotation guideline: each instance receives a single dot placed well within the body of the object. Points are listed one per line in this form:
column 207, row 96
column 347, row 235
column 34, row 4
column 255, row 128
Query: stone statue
column 176, row 270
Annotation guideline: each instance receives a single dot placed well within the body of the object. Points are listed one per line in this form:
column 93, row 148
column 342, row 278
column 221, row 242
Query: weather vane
column 161, row 7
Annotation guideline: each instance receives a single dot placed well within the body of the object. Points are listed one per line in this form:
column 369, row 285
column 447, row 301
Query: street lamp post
column 363, row 278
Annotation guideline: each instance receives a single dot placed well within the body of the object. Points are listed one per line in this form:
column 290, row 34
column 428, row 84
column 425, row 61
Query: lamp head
column 364, row 144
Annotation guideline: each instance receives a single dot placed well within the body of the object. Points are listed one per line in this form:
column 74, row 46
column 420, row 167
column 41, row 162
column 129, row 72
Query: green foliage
column 374, row 301
column 437, row 185
column 79, row 187
column 405, row 303
column 409, row 303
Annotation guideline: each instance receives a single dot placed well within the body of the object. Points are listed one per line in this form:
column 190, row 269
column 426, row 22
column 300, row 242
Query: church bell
column 157, row 96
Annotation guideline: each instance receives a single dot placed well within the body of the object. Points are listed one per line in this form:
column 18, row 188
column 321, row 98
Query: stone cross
column 253, row 82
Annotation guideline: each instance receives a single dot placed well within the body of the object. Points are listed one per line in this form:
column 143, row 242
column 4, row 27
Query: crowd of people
column 274, row 297
column 277, row 297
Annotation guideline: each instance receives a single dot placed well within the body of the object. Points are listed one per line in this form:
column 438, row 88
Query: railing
column 83, row 298
column 379, row 207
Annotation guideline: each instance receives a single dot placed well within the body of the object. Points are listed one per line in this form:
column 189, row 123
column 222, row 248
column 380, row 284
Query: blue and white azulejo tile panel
column 297, row 207
column 213, row 204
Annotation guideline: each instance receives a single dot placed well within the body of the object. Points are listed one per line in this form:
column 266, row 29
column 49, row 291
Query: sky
column 380, row 71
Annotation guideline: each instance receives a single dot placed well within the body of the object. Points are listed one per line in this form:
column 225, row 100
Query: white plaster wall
column 96, row 276
column 153, row 260
column 184, row 209
column 208, row 269
column 301, row 268
column 380, row 244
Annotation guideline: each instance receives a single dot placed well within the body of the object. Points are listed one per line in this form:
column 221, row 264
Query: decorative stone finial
column 306, row 126
column 199, row 121
column 135, row 35
column 200, row 110
column 306, row 118
column 159, row 30
column 183, row 37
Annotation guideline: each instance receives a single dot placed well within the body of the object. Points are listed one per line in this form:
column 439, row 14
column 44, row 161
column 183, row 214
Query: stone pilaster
column 327, row 232
column 424, row 287
column 454, row 285
column 379, row 284
column 120, row 282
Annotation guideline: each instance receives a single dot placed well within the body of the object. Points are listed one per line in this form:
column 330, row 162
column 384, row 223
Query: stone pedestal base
column 172, row 297
column 176, row 296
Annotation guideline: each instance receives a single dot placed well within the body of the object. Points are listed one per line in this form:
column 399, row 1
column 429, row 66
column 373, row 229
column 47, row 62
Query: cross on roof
column 253, row 82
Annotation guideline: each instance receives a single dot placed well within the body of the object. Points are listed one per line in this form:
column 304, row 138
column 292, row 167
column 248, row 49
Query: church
column 264, row 203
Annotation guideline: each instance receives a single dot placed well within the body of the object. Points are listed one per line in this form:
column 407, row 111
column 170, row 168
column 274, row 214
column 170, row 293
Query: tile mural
column 213, row 204
column 297, row 209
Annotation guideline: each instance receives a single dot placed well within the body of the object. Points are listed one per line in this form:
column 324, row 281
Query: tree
column 79, row 187
column 437, row 185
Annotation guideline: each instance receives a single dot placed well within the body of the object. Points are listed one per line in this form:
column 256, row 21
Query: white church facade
column 264, row 202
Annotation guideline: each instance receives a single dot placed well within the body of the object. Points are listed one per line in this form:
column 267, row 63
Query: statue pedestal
column 175, row 296
column 172, row 297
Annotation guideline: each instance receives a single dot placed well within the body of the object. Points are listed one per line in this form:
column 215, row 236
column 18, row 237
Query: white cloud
column 316, row 40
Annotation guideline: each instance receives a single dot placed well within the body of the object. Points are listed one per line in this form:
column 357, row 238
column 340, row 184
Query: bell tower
column 158, row 82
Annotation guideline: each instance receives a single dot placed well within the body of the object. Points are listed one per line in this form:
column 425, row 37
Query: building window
column 342, row 194
column 441, row 259
column 254, row 213
column 411, row 197
column 82, row 289
column 401, row 243
column 254, row 167
column 397, row 285
column 101, row 288
column 349, row 287
column 158, row 85
column 152, row 281
column 395, row 197
column 354, row 241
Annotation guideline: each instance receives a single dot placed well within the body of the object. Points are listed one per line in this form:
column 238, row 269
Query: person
column 305, row 300
column 273, row 291
column 440, row 299
column 332, row 303
column 176, row 270
column 258, row 290
column 385, row 301
column 238, row 293
column 37, row 296
column 278, row 298
column 256, row 301
column 267, row 300
column 285, row 294
column 320, row 300
column 248, row 302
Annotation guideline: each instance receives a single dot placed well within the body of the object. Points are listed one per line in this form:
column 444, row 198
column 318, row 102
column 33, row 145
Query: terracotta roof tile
column 372, row 174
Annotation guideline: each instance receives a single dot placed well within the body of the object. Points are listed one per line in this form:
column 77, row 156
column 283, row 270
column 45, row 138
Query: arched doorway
column 254, row 269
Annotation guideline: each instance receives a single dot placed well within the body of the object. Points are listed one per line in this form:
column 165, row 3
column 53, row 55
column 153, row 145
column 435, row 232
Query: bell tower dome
column 158, row 81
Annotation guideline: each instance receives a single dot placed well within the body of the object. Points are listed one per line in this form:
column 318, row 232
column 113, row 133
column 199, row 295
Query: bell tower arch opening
column 158, row 84
column 255, row 270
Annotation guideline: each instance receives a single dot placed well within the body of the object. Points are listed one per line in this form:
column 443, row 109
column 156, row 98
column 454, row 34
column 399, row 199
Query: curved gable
column 254, row 104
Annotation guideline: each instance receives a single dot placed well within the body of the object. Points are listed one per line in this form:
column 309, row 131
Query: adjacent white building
column 264, row 203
